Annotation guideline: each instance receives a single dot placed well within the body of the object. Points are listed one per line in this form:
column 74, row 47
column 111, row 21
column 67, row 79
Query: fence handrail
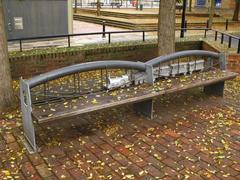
column 103, row 33
column 227, row 34
column 78, row 34
column 112, row 32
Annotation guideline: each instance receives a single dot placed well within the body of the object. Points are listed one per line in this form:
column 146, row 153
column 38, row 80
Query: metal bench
column 43, row 99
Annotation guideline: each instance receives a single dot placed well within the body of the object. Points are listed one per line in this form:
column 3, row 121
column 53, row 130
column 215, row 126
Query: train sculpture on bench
column 162, row 71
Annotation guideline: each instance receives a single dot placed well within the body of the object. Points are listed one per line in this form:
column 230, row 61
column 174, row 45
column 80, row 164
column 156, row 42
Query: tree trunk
column 6, row 90
column 166, row 27
column 75, row 6
column 98, row 8
column 236, row 11
column 211, row 14
column 190, row 5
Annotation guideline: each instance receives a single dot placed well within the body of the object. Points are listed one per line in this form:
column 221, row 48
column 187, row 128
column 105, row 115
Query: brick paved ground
column 192, row 136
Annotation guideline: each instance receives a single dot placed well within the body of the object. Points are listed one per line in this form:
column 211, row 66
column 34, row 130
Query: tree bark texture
column 98, row 8
column 190, row 5
column 236, row 11
column 6, row 90
column 75, row 6
column 166, row 27
column 211, row 14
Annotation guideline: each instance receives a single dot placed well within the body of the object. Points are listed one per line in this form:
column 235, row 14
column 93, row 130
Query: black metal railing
column 68, row 36
column 227, row 37
column 109, row 34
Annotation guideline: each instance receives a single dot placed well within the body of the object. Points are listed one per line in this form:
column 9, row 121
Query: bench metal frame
column 144, row 107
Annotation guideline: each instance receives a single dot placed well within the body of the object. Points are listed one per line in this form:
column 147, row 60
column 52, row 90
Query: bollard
column 103, row 29
column 226, row 24
column 69, row 43
column 143, row 35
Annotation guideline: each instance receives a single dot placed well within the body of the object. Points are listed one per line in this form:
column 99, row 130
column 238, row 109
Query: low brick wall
column 208, row 47
column 234, row 62
column 34, row 64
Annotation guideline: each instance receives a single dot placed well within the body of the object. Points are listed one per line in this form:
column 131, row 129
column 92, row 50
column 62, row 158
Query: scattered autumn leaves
column 217, row 128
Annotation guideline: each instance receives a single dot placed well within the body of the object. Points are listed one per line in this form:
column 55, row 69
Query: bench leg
column 28, row 126
column 30, row 140
column 145, row 108
column 215, row 89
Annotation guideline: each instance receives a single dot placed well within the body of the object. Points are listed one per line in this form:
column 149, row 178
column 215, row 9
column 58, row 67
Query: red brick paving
column 197, row 139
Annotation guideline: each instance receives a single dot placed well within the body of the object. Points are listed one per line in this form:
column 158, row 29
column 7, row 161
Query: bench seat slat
column 90, row 103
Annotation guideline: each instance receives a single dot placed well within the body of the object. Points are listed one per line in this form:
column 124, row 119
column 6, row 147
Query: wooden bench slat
column 90, row 103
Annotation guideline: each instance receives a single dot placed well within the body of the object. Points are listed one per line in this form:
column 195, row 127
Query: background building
column 30, row 18
column 224, row 4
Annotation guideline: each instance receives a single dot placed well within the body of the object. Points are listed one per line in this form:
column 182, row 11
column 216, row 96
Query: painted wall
column 225, row 4
column 29, row 18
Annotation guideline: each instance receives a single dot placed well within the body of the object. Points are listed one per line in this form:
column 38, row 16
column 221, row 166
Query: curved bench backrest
column 181, row 54
column 40, row 79
column 96, row 65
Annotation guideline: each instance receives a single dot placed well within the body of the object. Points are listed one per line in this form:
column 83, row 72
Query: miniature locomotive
column 161, row 71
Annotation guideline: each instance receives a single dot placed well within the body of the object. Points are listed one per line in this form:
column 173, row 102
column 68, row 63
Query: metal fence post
column 69, row 43
column 109, row 38
column 238, row 46
column 20, row 44
column 222, row 37
column 143, row 35
column 205, row 33
column 216, row 34
column 104, row 29
column 229, row 42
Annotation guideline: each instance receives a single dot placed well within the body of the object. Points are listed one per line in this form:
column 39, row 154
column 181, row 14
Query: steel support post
column 144, row 108
column 28, row 126
column 215, row 89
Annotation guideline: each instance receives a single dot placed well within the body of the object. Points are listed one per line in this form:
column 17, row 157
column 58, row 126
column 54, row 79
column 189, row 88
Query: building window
column 201, row 2
column 218, row 3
